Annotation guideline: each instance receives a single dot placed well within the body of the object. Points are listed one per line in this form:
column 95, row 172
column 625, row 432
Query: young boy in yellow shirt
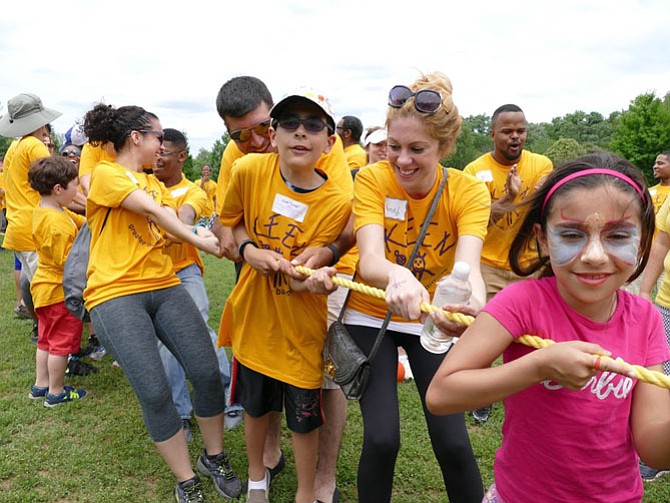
column 278, row 204
column 54, row 230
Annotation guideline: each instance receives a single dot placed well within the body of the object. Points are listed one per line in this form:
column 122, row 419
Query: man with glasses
column 512, row 175
column 244, row 104
column 350, row 129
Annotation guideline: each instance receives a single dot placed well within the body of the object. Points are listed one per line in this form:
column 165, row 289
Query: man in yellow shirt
column 350, row 129
column 206, row 183
column 511, row 174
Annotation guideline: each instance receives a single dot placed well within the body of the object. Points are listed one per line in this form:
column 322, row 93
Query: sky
column 550, row 58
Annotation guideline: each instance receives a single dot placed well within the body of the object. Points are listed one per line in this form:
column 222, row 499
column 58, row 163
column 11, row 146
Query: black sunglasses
column 158, row 134
column 426, row 101
column 244, row 134
column 311, row 124
column 67, row 153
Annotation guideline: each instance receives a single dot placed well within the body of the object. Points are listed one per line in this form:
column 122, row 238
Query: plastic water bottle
column 452, row 289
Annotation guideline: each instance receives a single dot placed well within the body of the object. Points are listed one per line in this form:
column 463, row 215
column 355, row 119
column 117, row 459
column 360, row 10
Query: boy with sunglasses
column 284, row 205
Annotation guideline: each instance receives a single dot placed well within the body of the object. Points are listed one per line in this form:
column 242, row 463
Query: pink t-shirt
column 573, row 446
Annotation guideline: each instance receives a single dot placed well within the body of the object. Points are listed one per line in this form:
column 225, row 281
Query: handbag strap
column 417, row 245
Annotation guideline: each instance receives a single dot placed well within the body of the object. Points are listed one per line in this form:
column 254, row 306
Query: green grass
column 98, row 450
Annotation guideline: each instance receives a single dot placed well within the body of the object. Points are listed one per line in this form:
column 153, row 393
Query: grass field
column 98, row 451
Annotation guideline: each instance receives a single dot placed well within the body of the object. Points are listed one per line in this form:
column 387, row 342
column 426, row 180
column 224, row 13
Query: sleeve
column 368, row 200
column 76, row 218
column 474, row 207
column 510, row 305
column 58, row 240
column 230, row 154
column 232, row 209
column 335, row 165
column 197, row 199
column 110, row 187
column 37, row 150
column 662, row 216
column 658, row 351
column 89, row 158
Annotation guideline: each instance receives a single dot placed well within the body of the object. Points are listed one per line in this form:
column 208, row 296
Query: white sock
column 258, row 484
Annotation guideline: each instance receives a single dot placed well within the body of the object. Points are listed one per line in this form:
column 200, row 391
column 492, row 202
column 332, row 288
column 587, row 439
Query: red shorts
column 58, row 331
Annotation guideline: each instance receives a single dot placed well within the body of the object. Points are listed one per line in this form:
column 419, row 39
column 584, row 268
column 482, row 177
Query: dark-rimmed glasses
column 426, row 101
column 67, row 153
column 311, row 124
column 244, row 134
column 158, row 134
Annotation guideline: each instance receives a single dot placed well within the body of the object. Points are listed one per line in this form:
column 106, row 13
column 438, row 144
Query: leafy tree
column 643, row 131
column 565, row 149
column 585, row 128
column 473, row 141
column 538, row 139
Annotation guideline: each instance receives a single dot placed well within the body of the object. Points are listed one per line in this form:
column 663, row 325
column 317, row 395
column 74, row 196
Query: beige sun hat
column 25, row 114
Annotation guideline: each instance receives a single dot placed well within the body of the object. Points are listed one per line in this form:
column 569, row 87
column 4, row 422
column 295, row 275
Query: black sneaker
column 77, row 367
column 226, row 482
column 482, row 414
column 189, row 491
column 34, row 334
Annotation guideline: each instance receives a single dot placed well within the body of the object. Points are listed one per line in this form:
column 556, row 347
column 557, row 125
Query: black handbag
column 345, row 363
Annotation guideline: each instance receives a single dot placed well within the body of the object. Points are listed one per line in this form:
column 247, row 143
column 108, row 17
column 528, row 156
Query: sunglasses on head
column 311, row 124
column 426, row 101
column 244, row 134
column 68, row 153
column 158, row 134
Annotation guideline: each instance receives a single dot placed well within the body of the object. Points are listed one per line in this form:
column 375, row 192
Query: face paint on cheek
column 565, row 246
column 627, row 249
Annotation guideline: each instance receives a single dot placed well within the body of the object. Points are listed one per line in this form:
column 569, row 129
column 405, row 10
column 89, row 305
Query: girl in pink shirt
column 575, row 422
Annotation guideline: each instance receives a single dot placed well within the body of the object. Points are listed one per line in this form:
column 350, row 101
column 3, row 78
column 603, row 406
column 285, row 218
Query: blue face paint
column 568, row 240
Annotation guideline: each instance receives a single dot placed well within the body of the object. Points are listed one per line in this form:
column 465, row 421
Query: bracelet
column 243, row 245
column 195, row 228
column 336, row 254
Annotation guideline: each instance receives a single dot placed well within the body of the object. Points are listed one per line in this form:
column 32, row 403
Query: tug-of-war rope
column 533, row 341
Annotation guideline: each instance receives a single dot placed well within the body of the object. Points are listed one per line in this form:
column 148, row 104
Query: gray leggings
column 128, row 327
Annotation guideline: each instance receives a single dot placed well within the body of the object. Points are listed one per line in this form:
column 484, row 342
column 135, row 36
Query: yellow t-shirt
column 464, row 209
column 90, row 156
column 210, row 189
column 531, row 168
column 21, row 197
column 356, row 156
column 2, row 191
column 53, row 232
column 274, row 330
column 663, row 224
column 185, row 254
column 659, row 194
column 127, row 254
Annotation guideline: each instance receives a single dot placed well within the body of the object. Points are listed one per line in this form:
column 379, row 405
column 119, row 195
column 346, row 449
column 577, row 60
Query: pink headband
column 592, row 171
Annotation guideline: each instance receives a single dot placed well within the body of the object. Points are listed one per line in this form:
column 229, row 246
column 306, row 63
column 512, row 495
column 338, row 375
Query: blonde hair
column 445, row 124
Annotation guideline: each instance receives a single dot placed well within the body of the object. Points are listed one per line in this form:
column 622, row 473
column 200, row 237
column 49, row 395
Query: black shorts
column 260, row 394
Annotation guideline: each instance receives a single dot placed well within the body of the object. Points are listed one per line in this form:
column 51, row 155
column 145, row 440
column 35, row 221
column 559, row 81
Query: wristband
column 243, row 245
column 336, row 254
column 195, row 227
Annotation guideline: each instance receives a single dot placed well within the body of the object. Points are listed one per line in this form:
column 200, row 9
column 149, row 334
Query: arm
column 264, row 261
column 650, row 422
column 654, row 268
column 320, row 256
column 85, row 183
column 141, row 203
column 404, row 293
column 466, row 380
column 500, row 207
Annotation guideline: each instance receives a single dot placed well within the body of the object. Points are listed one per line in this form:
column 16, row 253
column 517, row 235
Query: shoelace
column 193, row 493
column 223, row 467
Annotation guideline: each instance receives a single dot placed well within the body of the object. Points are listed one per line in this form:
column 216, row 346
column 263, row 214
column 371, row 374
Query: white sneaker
column 408, row 370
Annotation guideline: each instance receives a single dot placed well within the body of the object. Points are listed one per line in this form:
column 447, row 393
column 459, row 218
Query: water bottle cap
column 461, row 270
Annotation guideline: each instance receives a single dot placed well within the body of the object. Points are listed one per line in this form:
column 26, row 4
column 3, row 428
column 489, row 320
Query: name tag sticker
column 485, row 176
column 395, row 209
column 289, row 208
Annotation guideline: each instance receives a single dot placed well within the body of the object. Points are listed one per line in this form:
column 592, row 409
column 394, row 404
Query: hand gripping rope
column 533, row 341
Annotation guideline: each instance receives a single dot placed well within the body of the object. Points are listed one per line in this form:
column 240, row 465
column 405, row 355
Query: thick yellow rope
column 642, row 373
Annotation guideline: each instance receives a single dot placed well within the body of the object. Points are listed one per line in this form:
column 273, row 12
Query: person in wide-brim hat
column 25, row 114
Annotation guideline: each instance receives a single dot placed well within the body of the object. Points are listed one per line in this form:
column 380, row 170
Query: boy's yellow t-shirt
column 531, row 168
column 356, row 156
column 127, row 254
column 54, row 232
column 464, row 209
column 185, row 254
column 274, row 330
column 20, row 196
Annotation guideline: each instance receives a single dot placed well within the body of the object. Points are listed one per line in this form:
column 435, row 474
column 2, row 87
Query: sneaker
column 482, row 414
column 36, row 392
column 226, row 482
column 69, row 394
column 260, row 495
column 79, row 368
column 186, row 424
column 189, row 491
column 233, row 416
column 650, row 474
column 21, row 311
column 34, row 333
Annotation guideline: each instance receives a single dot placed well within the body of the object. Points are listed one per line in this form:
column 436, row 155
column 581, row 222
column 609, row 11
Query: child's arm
column 659, row 249
column 264, row 261
column 650, row 422
column 466, row 381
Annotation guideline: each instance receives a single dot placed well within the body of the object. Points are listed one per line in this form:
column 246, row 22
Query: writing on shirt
column 155, row 232
column 602, row 385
